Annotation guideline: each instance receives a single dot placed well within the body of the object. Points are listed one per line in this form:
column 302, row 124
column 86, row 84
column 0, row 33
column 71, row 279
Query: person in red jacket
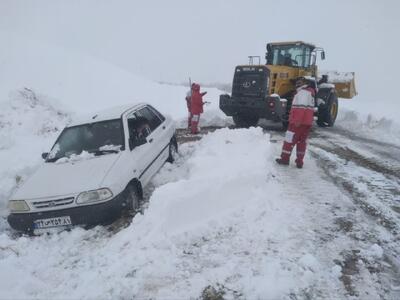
column 196, row 107
column 300, row 121
column 188, row 99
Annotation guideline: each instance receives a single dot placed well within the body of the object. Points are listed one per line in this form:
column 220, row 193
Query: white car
column 96, row 169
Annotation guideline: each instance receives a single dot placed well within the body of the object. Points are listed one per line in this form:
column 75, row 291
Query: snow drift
column 29, row 124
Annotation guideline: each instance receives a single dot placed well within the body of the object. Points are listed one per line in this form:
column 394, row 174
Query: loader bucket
column 344, row 83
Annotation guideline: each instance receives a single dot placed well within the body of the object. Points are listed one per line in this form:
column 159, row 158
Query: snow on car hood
column 58, row 179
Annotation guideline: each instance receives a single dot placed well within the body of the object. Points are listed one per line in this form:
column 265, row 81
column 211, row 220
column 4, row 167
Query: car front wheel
column 132, row 197
column 173, row 150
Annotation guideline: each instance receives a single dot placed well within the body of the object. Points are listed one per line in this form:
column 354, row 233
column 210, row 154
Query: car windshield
column 296, row 55
column 98, row 138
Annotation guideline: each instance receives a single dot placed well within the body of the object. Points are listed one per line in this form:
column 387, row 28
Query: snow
column 219, row 232
column 224, row 215
column 29, row 124
column 326, row 86
column 84, row 155
column 336, row 76
column 83, row 84
column 110, row 148
column 366, row 120
column 238, row 227
column 375, row 251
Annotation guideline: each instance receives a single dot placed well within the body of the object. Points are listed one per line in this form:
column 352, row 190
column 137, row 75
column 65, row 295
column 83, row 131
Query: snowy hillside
column 81, row 83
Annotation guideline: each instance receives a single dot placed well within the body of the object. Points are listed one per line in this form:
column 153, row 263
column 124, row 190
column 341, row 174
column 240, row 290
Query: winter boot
column 281, row 161
column 299, row 164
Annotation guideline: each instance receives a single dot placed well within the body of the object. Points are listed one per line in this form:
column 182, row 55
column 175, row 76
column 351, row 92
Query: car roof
column 111, row 113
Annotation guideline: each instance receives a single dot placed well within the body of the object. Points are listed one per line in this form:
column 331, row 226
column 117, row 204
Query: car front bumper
column 86, row 215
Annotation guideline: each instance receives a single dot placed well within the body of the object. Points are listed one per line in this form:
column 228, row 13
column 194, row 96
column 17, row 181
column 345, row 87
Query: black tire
column 285, row 121
column 173, row 150
column 285, row 125
column 245, row 121
column 132, row 197
column 327, row 113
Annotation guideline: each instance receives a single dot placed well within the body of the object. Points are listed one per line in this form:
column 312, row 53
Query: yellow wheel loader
column 267, row 90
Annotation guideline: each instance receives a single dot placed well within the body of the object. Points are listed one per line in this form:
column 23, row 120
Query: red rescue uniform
column 196, row 108
column 188, row 103
column 300, row 121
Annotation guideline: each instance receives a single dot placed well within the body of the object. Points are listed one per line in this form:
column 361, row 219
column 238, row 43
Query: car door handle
column 151, row 140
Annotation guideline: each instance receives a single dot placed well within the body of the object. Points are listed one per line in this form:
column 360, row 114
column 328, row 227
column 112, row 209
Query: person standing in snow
column 300, row 121
column 196, row 108
column 188, row 104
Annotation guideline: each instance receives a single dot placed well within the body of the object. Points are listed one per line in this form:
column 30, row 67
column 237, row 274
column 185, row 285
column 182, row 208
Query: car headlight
column 17, row 205
column 94, row 196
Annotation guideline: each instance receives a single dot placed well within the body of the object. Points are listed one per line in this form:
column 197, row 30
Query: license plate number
column 52, row 222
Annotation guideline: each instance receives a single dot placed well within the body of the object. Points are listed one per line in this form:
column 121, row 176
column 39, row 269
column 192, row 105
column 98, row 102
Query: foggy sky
column 172, row 40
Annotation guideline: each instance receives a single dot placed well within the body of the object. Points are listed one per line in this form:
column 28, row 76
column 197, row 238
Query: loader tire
column 245, row 121
column 327, row 113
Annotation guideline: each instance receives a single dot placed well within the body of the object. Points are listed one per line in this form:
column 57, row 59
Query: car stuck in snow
column 96, row 169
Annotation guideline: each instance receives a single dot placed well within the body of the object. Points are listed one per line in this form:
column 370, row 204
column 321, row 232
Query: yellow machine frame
column 282, row 78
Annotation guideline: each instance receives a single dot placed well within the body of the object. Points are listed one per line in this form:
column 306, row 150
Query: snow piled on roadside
column 220, row 221
column 369, row 125
column 29, row 124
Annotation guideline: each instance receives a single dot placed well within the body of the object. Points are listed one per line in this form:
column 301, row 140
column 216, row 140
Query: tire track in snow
column 368, row 171
column 383, row 162
column 372, row 180
column 380, row 229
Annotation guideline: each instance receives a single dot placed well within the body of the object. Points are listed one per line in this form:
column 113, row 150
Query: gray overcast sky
column 170, row 40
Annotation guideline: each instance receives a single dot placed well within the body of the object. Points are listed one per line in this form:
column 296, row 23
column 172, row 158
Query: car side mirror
column 323, row 55
column 45, row 154
column 136, row 142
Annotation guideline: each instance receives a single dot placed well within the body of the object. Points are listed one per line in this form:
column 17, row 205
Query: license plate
column 52, row 222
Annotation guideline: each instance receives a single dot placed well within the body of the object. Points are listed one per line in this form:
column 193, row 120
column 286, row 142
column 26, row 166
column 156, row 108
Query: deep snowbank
column 369, row 121
column 29, row 124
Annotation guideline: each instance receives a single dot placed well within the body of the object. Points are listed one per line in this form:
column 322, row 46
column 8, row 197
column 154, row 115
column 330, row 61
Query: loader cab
column 292, row 54
column 287, row 61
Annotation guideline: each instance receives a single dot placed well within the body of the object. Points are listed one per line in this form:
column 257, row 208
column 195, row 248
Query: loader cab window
column 295, row 55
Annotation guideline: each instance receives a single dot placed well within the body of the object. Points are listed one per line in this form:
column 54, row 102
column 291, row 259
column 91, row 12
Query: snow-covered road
column 226, row 219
